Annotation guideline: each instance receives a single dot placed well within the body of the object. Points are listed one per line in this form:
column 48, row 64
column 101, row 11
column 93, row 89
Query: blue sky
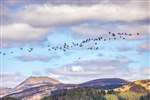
column 37, row 24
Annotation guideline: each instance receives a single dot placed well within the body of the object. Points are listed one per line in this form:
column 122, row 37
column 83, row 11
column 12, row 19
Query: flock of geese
column 83, row 44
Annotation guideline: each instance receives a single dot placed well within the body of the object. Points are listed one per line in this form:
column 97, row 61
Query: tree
column 145, row 97
column 10, row 98
column 111, row 92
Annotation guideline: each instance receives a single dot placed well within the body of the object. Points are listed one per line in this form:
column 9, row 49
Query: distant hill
column 37, row 81
column 105, row 83
column 139, row 86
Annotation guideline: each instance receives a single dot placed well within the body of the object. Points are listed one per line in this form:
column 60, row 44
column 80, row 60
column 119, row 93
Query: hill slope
column 105, row 83
column 139, row 86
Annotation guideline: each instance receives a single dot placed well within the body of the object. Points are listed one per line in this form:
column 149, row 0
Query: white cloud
column 53, row 15
column 76, row 68
column 40, row 58
column 21, row 33
column 76, row 77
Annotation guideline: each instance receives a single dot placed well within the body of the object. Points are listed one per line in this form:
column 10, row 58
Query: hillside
column 105, row 83
column 139, row 86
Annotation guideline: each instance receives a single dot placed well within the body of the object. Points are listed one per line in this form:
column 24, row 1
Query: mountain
column 4, row 91
column 105, row 83
column 37, row 81
column 139, row 86
column 34, row 88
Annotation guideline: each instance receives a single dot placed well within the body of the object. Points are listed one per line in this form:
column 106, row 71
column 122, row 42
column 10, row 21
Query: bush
column 111, row 97
column 111, row 92
column 121, row 98
column 129, row 96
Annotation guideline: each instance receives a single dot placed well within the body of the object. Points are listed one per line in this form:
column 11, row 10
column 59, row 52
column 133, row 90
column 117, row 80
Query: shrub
column 111, row 97
column 129, row 96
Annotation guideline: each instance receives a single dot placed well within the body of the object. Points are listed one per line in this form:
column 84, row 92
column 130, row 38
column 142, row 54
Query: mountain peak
column 108, row 80
column 37, row 81
column 34, row 79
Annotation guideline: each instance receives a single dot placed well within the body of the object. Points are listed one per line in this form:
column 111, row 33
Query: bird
column 119, row 33
column 4, row 54
column 113, row 34
column 11, row 52
column 104, row 39
column 97, row 48
column 126, row 34
column 48, row 46
column 80, row 45
column 64, row 50
column 21, row 48
column 99, row 38
column 49, row 49
column 60, row 48
column 130, row 34
column 30, row 49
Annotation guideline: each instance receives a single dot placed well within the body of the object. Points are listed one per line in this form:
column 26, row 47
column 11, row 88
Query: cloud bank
column 11, row 79
column 51, row 15
column 33, row 20
column 40, row 58
column 81, row 71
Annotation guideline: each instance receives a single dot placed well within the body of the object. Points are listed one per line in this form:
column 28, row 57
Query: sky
column 38, row 23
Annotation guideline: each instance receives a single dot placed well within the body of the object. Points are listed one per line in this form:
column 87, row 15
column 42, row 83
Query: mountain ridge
column 35, row 88
column 105, row 83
